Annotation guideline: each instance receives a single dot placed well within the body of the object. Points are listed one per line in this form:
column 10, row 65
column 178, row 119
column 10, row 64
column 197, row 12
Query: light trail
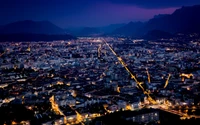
column 167, row 81
column 132, row 75
column 147, row 92
column 149, row 77
column 56, row 108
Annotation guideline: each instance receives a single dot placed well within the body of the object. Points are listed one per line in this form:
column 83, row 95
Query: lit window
column 133, row 119
column 143, row 117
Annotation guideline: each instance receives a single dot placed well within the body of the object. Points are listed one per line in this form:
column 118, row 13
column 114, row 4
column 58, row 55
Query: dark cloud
column 157, row 3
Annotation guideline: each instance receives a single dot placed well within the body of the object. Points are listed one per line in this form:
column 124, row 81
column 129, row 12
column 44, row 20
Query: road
column 167, row 109
column 147, row 93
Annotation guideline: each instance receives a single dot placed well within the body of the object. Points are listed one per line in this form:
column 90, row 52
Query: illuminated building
column 143, row 116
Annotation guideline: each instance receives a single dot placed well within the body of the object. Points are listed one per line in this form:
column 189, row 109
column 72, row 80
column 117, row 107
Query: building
column 143, row 116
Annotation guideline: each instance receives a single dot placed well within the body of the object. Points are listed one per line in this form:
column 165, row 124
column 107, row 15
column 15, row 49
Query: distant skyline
column 76, row 13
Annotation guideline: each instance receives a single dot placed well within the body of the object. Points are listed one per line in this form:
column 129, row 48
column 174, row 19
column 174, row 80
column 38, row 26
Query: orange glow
column 149, row 79
column 118, row 89
column 55, row 107
column 167, row 81
column 14, row 123
column 186, row 75
column 59, row 83
column 128, row 107
column 29, row 49
column 132, row 76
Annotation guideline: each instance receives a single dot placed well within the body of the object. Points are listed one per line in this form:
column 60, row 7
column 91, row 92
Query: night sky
column 70, row 13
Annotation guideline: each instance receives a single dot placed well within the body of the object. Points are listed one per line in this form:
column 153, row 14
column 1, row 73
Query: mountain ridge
column 87, row 31
column 29, row 26
column 29, row 30
column 131, row 28
column 183, row 20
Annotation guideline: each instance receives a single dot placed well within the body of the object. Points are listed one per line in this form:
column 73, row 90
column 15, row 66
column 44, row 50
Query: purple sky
column 69, row 13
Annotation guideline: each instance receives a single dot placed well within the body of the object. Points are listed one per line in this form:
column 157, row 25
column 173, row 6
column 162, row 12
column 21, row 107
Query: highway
column 154, row 104
column 147, row 93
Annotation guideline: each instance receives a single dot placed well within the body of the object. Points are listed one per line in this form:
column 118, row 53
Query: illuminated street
column 103, row 77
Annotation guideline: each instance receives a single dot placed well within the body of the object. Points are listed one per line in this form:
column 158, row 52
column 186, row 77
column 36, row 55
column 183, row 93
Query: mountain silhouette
column 131, row 29
column 183, row 20
column 88, row 31
column 112, row 27
column 29, row 30
column 29, row 26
